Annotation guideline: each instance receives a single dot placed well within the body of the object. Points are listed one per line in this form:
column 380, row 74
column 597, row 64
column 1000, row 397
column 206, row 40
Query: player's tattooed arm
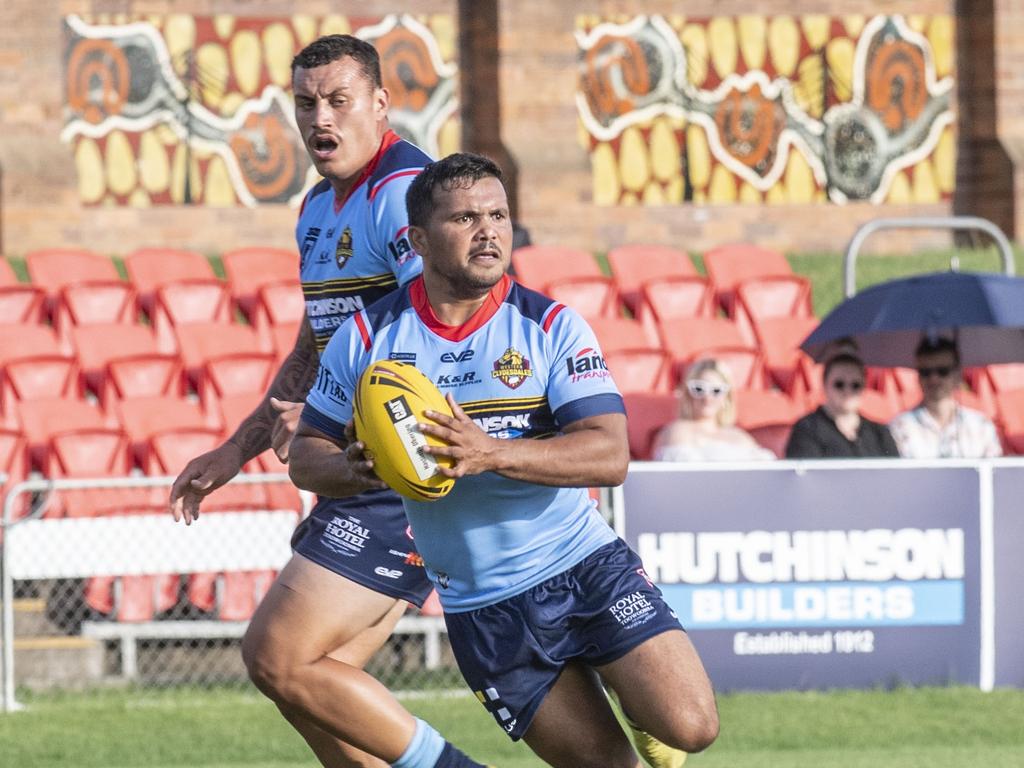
column 273, row 421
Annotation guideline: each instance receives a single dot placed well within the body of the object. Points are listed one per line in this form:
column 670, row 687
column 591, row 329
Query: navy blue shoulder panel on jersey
column 530, row 303
column 386, row 309
column 400, row 156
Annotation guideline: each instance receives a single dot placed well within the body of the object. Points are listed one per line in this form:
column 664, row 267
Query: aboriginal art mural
column 182, row 109
column 768, row 110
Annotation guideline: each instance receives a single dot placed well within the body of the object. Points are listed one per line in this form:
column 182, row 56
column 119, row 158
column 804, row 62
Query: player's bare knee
column 695, row 729
column 267, row 671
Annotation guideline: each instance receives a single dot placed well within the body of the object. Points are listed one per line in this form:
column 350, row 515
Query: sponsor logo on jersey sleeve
column 400, row 248
column 586, row 364
column 329, row 387
column 512, row 369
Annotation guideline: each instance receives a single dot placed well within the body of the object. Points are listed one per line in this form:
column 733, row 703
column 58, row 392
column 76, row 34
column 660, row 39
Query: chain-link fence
column 122, row 594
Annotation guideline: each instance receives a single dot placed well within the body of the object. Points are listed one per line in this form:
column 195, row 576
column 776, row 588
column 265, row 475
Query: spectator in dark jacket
column 836, row 430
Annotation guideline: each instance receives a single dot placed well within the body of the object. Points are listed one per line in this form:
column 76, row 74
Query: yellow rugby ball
column 389, row 403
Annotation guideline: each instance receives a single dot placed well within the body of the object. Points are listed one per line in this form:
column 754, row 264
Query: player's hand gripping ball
column 390, row 401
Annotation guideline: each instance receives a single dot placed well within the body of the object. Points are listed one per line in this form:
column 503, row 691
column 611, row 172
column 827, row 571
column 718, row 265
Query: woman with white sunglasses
column 706, row 427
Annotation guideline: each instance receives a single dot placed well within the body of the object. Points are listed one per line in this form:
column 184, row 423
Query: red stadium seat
column 150, row 268
column 646, row 413
column 591, row 296
column 97, row 453
column 770, row 297
column 779, row 339
column 249, row 269
column 1011, row 415
column 729, row 265
column 283, row 338
column 641, row 369
column 143, row 417
column 686, row 338
column 774, row 437
column 535, row 266
column 14, row 463
column 877, row 407
column 234, row 409
column 41, row 419
column 757, row 407
column 56, row 268
column 19, row 302
column 198, row 343
column 171, row 449
column 122, row 361
column 188, row 302
column 615, row 333
column 669, row 298
column 634, row 265
column 33, row 366
column 278, row 304
column 1006, row 377
column 239, row 372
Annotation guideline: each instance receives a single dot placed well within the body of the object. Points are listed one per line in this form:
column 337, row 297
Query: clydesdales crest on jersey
column 512, row 369
column 343, row 252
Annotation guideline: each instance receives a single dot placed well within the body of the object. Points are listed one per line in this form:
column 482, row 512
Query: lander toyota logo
column 586, row 364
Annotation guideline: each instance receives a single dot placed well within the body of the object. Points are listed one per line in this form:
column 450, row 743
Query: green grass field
column 903, row 728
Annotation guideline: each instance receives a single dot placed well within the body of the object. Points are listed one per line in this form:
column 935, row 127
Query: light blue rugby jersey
column 354, row 251
column 522, row 367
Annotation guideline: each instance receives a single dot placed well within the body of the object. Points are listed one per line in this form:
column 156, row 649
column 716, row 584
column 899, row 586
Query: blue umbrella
column 982, row 311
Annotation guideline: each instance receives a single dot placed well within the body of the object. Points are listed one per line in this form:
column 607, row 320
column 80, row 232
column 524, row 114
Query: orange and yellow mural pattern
column 183, row 109
column 767, row 110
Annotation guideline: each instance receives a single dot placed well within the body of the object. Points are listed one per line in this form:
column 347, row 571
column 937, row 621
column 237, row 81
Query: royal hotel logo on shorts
column 784, row 579
column 632, row 610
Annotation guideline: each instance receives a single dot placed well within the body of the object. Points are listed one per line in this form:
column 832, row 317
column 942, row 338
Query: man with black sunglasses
column 836, row 430
column 941, row 428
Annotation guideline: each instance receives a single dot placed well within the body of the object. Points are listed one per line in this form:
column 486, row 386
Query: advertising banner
column 816, row 576
column 1008, row 575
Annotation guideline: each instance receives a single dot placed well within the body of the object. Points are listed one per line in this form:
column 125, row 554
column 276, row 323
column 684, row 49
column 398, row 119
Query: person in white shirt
column 941, row 428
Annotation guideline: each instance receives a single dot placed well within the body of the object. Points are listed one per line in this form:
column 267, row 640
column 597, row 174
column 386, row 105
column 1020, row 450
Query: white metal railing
column 31, row 547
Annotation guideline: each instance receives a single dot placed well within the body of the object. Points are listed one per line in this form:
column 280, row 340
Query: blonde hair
column 726, row 415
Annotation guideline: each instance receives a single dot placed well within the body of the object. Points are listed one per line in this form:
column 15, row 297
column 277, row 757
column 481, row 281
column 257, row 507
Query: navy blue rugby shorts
column 511, row 653
column 366, row 539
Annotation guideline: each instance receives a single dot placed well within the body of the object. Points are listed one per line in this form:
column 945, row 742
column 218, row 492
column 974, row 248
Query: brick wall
column 538, row 81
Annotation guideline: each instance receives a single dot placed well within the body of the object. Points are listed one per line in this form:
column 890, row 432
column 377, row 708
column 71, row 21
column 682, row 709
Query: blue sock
column 424, row 749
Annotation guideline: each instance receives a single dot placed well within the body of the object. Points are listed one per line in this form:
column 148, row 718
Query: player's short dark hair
column 931, row 346
column 330, row 48
column 462, row 169
column 842, row 359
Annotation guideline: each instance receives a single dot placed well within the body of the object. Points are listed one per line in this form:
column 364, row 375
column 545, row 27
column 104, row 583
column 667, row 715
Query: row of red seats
column 51, row 271
column 750, row 309
column 163, row 297
column 111, row 362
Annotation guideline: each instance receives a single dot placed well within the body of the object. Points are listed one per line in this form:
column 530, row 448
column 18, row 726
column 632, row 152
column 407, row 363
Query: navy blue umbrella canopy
column 982, row 311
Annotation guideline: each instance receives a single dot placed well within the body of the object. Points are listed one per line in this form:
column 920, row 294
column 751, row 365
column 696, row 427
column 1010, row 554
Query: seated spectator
column 941, row 428
column 836, row 430
column 705, row 429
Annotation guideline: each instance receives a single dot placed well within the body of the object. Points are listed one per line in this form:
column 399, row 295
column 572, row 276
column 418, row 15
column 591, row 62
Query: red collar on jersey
column 492, row 303
column 389, row 138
